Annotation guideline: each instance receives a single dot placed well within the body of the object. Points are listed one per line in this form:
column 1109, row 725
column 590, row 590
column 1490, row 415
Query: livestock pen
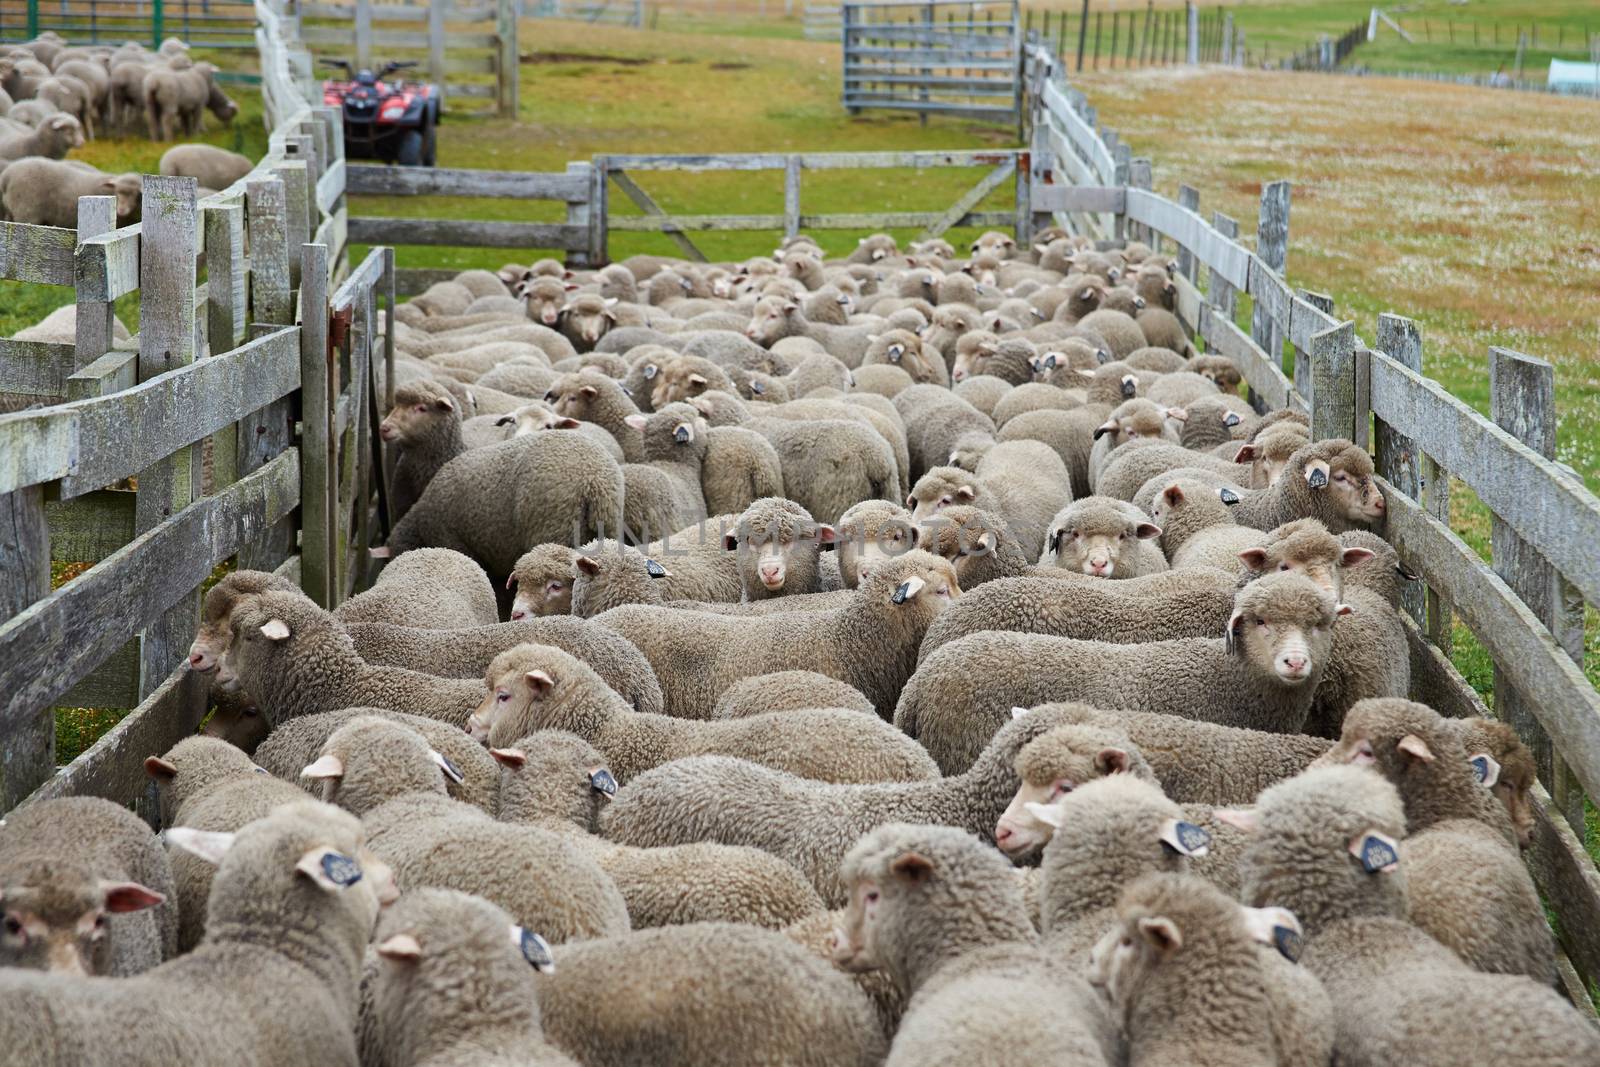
column 288, row 396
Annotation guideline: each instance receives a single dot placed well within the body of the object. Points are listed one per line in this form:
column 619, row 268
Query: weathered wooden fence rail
column 1526, row 607
column 202, row 23
column 933, row 57
column 236, row 425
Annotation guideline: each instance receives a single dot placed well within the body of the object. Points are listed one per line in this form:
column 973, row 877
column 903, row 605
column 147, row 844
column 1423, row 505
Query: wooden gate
column 940, row 57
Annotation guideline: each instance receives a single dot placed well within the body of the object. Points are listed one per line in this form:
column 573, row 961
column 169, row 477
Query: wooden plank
column 27, row 754
column 1223, row 293
column 467, row 233
column 366, row 179
column 1332, row 355
column 1188, row 303
column 65, row 634
column 297, row 212
column 111, row 373
column 791, row 196
column 107, row 266
column 471, row 90
column 1562, row 698
column 96, row 318
column 330, row 187
column 1270, row 312
column 390, row 40
column 1567, row 880
column 811, row 160
column 90, row 527
column 1396, row 456
column 1265, row 376
column 1188, row 200
column 1547, row 508
column 35, row 368
column 969, row 200
column 30, row 253
column 269, row 252
column 508, row 62
column 653, row 213
column 851, row 221
column 363, row 33
column 316, row 512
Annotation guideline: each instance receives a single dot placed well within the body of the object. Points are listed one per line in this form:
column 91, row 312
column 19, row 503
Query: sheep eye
column 13, row 925
column 1127, row 942
column 944, row 500
column 1340, row 477
column 872, row 896
column 502, row 696
column 423, row 408
column 100, row 921
column 1122, row 536
column 1261, row 623
column 1060, row 788
column 1284, row 565
column 554, row 586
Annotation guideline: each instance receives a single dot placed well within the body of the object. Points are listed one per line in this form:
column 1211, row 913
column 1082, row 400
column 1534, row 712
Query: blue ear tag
column 1229, row 497
column 1231, row 419
column 681, row 434
column 1485, row 768
column 1377, row 853
column 1318, row 478
column 536, row 950
column 654, row 569
column 1287, row 939
column 1185, row 838
column 262, row 770
column 601, row 781
column 341, row 870
column 757, row 388
column 649, row 371
column 901, row 592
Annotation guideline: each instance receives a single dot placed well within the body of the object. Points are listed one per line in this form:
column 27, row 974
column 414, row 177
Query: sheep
column 1158, row 358
column 1508, row 771
column 46, row 191
column 432, row 588
column 1197, row 527
column 525, row 376
column 870, row 643
column 1190, row 983
column 1009, row 359
column 977, row 544
column 206, row 784
column 175, row 99
column 386, row 774
column 682, row 377
column 302, row 868
column 882, row 419
column 592, row 396
column 828, row 465
column 1325, row 847
column 1269, row 448
column 559, row 782
column 495, row 503
column 295, row 659
column 1104, row 538
column 1134, row 464
column 70, row 96
column 740, row 467
column 543, row 579
column 706, row 995
column 1466, row 884
column 904, row 349
column 1328, row 480
column 1162, row 329
column 212, row 167
column 776, row 546
column 607, row 574
column 935, row 419
column 535, row 687
column 818, row 371
column 1220, row 369
column 452, row 986
column 983, row 391
column 1022, row 483
column 1139, row 419
column 85, row 890
column 425, row 426
column 662, row 493
column 1216, row 420
column 774, row 318
column 872, row 248
column 467, row 653
column 52, row 139
column 935, row 909
column 1032, row 396
column 1122, row 334
column 810, row 824
column 1263, row 673
column 787, row 691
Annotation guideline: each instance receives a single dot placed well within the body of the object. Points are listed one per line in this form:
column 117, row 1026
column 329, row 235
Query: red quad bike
column 395, row 122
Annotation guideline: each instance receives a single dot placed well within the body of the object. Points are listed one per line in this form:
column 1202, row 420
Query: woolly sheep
column 495, row 503
column 53, row 139
column 1217, row 420
column 212, row 167
column 543, row 580
column 662, row 493
column 453, row 986
column 1122, row 334
column 85, row 890
column 592, row 396
column 904, row 349
column 870, row 531
column 935, row 418
column 534, row 687
column 606, row 574
column 385, row 773
column 977, row 544
column 740, row 467
column 882, row 379
column 1329, row 480
column 1262, row 673
column 425, row 427
column 787, row 691
column 933, row 907
column 1032, row 396
column 559, row 782
column 1010, row 359
column 810, row 824
column 1162, row 329
column 774, row 318
column 46, row 191
column 1103, row 538
column 1197, row 527
column 1269, row 449
column 1158, row 358
column 870, row 643
column 1022, row 484
column 1136, row 463
column 683, row 376
column 295, row 659
column 777, row 548
column 828, row 465
column 433, row 588
column 885, row 420
column 304, row 867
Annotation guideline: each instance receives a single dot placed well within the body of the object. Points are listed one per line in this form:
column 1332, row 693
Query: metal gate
column 944, row 57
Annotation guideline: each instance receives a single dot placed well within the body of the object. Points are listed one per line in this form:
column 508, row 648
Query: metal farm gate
column 942, row 57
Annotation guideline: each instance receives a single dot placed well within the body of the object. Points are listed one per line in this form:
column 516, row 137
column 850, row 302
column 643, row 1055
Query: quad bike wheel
column 409, row 152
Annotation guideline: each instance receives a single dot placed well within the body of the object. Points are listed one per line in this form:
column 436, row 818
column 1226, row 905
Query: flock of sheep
column 904, row 658
column 54, row 96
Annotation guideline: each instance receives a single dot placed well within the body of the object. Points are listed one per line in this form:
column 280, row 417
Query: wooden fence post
column 364, row 33
column 436, row 72
column 96, row 215
column 225, row 315
column 297, row 211
column 316, row 438
column 581, row 213
column 1303, row 381
column 28, row 751
column 791, row 195
column 1192, row 34
column 1272, row 248
column 167, row 243
column 508, row 67
column 1333, row 382
column 1522, row 402
column 1189, row 200
column 269, row 252
column 1218, row 288
column 1140, row 176
column 1396, row 456
column 1123, row 156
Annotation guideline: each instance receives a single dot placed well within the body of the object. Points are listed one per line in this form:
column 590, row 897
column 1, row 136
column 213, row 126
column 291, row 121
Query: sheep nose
column 1295, row 663
column 1002, row 834
column 549, row 317
column 197, row 661
column 518, row 614
column 387, row 431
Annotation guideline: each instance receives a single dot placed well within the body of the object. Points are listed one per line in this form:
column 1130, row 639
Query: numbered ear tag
column 1229, row 497
column 601, row 781
column 1486, row 768
column 1318, row 478
column 902, row 591
column 1185, row 838
column 1377, row 853
column 757, row 388
column 451, row 771
column 1287, row 939
column 534, row 949
column 341, row 870
column 654, row 569
column 1230, row 420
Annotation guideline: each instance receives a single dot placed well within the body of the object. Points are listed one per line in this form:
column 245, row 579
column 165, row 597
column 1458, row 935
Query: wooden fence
column 607, row 12
column 1526, row 607
column 237, row 425
column 474, row 40
column 821, row 22
column 933, row 57
column 202, row 23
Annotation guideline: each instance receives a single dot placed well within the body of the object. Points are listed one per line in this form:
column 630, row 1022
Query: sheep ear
column 730, row 542
column 966, row 492
column 568, row 424
column 1343, row 609
column 1049, row 814
column 826, row 535
column 637, row 422
column 505, row 420
column 1177, row 414
column 1415, row 747
column 513, row 758
column 444, row 403
column 1254, row 558
column 1378, row 853
column 534, row 949
column 1017, row 713
column 1185, row 838
column 1353, row 556
column 1109, row 426
column 1245, row 819
column 1231, row 637
column 451, row 771
column 275, row 630
column 1146, row 530
column 1161, row 933
column 1485, row 768
column 1317, row 474
column 329, row 868
column 402, row 948
column 913, row 867
column 1245, row 454
column 589, row 392
column 128, row 896
column 1112, row 761
column 907, row 590
column 1173, row 495
column 160, row 769
column 329, row 766
column 540, row 682
column 209, row 845
column 587, row 565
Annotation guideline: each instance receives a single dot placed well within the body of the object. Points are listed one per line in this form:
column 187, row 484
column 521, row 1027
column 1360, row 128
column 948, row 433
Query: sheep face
column 56, row 917
column 417, row 415
column 679, row 380
column 1271, row 451
column 767, row 548
column 940, row 488
column 1512, row 783
column 869, row 534
column 516, row 694
column 1050, row 767
column 531, row 418
column 972, row 362
column 949, row 325
column 852, row 951
column 769, row 321
column 1283, row 624
column 238, row 721
column 1349, row 477
column 545, row 298
column 1219, row 369
column 543, row 580
column 575, row 396
column 1306, row 547
column 994, row 243
column 589, row 317
column 1139, row 418
column 1128, row 952
column 1099, row 542
column 129, row 192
